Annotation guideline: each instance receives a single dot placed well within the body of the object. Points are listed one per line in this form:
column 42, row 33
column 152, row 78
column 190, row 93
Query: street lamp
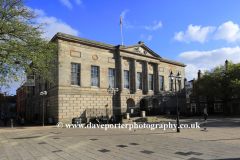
column 44, row 93
column 111, row 90
column 178, row 77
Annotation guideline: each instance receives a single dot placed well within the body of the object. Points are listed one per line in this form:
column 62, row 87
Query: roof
column 113, row 47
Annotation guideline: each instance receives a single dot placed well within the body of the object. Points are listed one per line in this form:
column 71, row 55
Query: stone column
column 121, row 77
column 118, row 69
column 174, row 85
column 146, row 78
column 156, row 73
column 134, row 76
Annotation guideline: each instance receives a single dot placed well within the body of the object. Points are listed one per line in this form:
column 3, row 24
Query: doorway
column 144, row 105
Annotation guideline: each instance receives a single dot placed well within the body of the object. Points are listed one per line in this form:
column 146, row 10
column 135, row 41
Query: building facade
column 196, row 103
column 21, row 101
column 87, row 70
column 8, row 105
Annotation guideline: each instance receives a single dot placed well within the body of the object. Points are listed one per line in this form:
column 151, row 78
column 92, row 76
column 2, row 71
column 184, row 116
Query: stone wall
column 66, row 101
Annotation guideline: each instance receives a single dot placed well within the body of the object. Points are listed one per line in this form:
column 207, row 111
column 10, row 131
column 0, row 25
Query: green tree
column 22, row 50
column 222, row 82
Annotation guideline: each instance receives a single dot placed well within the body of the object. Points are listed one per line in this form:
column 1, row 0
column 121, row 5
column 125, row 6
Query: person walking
column 205, row 116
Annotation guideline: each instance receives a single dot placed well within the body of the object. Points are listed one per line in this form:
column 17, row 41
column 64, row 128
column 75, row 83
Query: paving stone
column 192, row 144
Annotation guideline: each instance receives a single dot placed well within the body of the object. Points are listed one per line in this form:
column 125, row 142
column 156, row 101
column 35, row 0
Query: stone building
column 87, row 70
column 21, row 101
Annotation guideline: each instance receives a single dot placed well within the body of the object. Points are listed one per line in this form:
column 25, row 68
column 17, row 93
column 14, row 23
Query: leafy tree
column 22, row 50
column 222, row 82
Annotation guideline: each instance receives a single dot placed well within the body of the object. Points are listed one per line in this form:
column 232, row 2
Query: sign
column 50, row 120
column 132, row 110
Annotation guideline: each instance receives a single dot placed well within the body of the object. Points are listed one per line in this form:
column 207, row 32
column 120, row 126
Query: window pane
column 95, row 76
column 150, row 82
column 111, row 75
column 139, row 80
column 126, row 79
column 179, row 86
column 75, row 74
column 170, row 84
column 161, row 82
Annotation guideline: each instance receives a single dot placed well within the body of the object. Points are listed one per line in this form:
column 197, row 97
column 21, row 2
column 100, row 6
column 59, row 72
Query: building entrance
column 144, row 105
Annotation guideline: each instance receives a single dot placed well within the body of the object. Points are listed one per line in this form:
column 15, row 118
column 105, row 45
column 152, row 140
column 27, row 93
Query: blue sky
column 201, row 34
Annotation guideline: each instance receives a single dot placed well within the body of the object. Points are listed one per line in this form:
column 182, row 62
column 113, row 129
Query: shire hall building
column 137, row 76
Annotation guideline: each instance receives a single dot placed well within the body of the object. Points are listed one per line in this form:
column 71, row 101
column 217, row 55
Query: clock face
column 141, row 50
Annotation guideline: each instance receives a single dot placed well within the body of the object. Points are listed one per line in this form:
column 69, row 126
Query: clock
column 141, row 50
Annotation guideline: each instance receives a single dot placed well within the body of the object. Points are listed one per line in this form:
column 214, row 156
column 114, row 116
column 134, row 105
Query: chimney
column 226, row 64
column 199, row 74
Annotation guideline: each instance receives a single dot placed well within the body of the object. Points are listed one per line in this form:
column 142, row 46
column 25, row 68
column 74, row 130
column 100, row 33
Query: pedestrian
column 96, row 120
column 103, row 119
column 205, row 114
column 18, row 120
column 113, row 119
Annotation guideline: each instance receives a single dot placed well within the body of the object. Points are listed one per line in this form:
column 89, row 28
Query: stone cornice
column 112, row 47
column 141, row 45
column 173, row 62
column 138, row 54
column 83, row 41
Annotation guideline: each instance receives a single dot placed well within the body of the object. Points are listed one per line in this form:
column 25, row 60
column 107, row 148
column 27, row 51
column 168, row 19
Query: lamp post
column 111, row 90
column 164, row 105
column 44, row 93
column 178, row 77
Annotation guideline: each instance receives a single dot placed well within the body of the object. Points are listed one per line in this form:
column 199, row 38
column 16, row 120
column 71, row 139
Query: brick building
column 87, row 70
column 21, row 101
column 8, row 105
column 196, row 103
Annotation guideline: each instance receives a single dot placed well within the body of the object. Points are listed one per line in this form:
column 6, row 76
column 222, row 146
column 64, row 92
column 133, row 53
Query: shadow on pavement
column 27, row 137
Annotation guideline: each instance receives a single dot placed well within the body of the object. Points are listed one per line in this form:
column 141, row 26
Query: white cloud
column 149, row 38
column 55, row 25
column 78, row 2
column 145, row 37
column 155, row 27
column 124, row 13
column 124, row 22
column 203, row 60
column 126, row 25
column 228, row 31
column 39, row 12
column 194, row 33
column 66, row 3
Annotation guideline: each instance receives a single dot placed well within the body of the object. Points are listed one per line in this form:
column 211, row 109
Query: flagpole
column 121, row 28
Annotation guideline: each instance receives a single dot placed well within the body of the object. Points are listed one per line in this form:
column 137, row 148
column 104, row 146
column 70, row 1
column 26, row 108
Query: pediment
column 142, row 49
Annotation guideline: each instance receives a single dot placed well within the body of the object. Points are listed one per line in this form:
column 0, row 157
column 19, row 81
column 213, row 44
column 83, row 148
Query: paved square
column 220, row 140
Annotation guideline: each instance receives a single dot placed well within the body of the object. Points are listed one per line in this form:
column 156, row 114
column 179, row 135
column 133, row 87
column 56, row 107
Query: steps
column 148, row 119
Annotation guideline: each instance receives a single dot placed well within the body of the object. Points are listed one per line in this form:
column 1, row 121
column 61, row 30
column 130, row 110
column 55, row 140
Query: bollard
column 12, row 123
